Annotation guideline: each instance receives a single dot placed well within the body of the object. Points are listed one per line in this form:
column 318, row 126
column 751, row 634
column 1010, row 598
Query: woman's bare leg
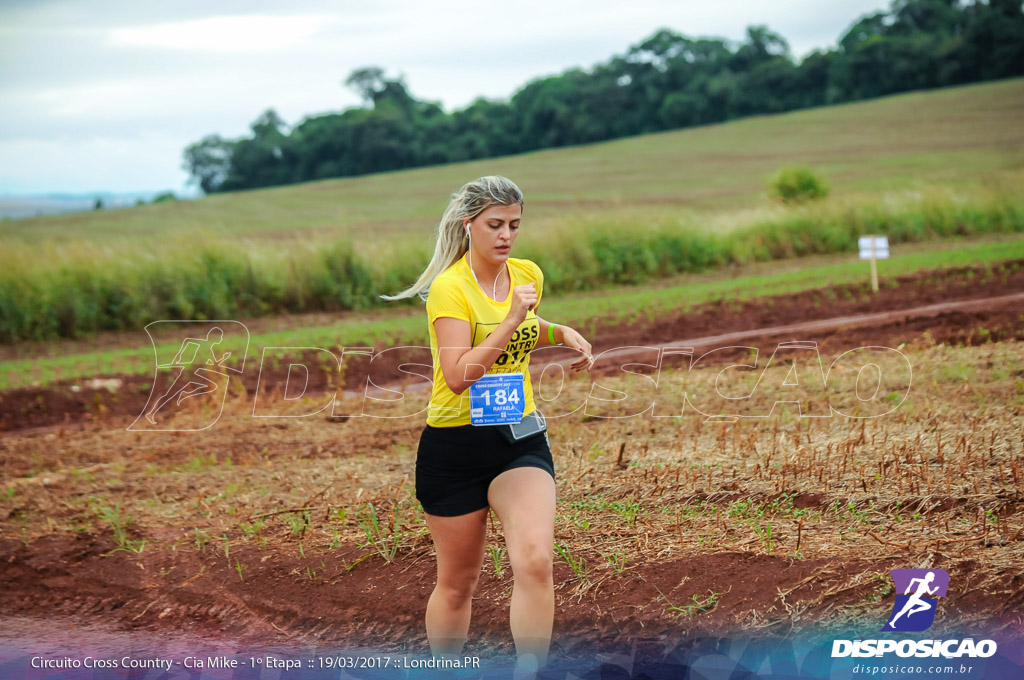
column 524, row 500
column 459, row 544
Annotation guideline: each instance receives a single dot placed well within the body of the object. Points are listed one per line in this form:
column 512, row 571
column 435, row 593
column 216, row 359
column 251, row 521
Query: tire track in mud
column 275, row 609
column 808, row 329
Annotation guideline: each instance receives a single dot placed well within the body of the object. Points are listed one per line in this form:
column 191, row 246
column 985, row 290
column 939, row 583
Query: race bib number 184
column 496, row 399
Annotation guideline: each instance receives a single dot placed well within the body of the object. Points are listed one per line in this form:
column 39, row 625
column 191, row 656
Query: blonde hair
column 452, row 241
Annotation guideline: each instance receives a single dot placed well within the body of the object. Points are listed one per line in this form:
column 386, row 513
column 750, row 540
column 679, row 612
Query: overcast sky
column 103, row 95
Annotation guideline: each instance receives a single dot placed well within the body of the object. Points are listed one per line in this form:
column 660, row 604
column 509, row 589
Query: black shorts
column 456, row 465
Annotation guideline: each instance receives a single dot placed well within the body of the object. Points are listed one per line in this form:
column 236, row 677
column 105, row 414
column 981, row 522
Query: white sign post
column 874, row 248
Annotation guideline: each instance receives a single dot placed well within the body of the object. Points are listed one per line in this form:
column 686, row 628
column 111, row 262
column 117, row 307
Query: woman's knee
column 533, row 562
column 457, row 589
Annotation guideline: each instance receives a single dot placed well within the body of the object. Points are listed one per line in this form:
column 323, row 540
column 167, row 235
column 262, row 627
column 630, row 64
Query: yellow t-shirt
column 456, row 294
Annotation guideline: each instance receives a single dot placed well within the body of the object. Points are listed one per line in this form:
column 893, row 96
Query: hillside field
column 945, row 137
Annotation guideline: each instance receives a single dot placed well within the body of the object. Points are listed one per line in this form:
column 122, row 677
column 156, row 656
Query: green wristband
column 551, row 333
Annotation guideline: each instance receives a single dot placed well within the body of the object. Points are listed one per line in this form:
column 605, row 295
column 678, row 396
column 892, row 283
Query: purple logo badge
column 914, row 609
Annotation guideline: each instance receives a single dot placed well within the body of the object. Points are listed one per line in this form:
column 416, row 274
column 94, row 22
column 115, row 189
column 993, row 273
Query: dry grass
column 937, row 481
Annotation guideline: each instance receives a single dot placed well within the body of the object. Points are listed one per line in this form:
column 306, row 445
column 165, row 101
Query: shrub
column 795, row 184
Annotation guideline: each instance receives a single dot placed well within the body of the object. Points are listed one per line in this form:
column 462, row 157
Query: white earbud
column 469, row 256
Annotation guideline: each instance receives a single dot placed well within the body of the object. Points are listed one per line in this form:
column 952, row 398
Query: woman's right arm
column 461, row 363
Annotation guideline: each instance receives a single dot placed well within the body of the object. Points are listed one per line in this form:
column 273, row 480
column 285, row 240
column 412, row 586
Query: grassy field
column 42, row 363
column 913, row 167
column 946, row 136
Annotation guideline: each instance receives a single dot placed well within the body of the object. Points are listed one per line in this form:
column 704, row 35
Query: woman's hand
column 571, row 338
column 524, row 298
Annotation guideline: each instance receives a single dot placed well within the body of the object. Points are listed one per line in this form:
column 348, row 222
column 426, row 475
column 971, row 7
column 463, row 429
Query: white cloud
column 224, row 34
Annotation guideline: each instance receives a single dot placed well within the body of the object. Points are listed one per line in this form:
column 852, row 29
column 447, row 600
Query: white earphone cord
column 494, row 288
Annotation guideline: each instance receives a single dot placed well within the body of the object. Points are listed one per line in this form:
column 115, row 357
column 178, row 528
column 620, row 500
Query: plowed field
column 253, row 529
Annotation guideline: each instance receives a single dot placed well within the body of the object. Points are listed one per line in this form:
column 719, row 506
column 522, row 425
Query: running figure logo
column 915, row 611
column 201, row 365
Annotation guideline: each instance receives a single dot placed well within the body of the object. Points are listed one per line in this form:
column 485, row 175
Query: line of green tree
column 666, row 81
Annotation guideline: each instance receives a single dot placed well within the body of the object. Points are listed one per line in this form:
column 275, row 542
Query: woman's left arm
column 563, row 335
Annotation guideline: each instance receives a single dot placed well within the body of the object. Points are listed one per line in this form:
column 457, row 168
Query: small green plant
column 881, row 590
column 202, row 539
column 852, row 512
column 252, row 530
column 227, row 546
column 577, row 564
column 119, row 524
column 765, row 534
column 384, row 544
column 239, row 567
column 956, row 372
column 356, row 562
column 628, row 511
column 701, row 603
column 796, row 184
column 696, row 604
column 298, row 523
column 497, row 553
column 200, row 462
column 617, row 561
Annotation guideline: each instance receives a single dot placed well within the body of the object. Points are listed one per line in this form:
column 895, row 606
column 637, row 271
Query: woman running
column 483, row 324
